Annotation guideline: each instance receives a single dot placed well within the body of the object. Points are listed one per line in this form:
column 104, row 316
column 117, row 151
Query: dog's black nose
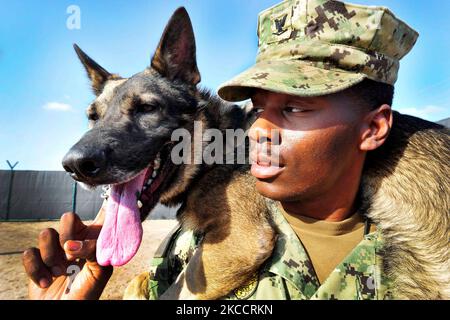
column 84, row 164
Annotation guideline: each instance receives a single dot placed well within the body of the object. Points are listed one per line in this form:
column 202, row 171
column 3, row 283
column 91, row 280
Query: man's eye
column 295, row 110
column 257, row 111
column 146, row 107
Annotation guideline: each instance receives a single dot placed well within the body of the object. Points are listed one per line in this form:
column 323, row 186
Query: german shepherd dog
column 129, row 147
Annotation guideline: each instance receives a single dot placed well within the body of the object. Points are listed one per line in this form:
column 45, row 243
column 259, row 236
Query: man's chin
column 269, row 189
column 278, row 192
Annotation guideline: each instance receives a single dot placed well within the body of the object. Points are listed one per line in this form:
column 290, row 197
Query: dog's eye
column 146, row 107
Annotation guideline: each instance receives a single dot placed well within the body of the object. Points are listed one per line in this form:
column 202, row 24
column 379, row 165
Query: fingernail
column 74, row 245
column 70, row 257
column 44, row 283
column 57, row 271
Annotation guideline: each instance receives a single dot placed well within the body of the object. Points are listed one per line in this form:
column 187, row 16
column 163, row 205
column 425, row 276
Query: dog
column 129, row 147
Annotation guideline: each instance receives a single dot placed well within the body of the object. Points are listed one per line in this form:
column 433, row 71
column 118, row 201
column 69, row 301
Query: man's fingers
column 35, row 268
column 70, row 228
column 51, row 252
column 81, row 249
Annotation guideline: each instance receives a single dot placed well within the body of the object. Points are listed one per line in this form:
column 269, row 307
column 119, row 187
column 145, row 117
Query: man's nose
column 264, row 131
column 84, row 162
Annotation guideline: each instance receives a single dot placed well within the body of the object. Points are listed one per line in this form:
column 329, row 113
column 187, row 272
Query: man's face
column 317, row 150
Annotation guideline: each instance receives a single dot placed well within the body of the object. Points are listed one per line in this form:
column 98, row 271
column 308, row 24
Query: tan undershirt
column 327, row 243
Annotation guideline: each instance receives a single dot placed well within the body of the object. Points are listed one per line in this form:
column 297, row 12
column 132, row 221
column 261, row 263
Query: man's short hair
column 372, row 94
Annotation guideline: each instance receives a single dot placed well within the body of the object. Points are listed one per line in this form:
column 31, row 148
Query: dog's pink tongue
column 121, row 234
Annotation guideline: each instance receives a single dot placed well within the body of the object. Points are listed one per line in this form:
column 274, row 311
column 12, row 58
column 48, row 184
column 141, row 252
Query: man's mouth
column 121, row 234
column 264, row 170
column 264, row 166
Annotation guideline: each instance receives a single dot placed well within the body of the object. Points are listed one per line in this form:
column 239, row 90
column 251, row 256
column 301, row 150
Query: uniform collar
column 358, row 276
column 289, row 259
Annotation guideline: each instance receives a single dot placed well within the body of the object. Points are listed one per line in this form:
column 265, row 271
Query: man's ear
column 376, row 127
column 175, row 57
column 95, row 72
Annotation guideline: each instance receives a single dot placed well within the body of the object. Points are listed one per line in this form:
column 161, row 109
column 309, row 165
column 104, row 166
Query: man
column 324, row 80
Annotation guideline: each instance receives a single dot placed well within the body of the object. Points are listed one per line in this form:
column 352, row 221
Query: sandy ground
column 15, row 237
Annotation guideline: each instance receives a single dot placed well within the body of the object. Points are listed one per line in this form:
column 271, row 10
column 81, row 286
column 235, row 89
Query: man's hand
column 64, row 265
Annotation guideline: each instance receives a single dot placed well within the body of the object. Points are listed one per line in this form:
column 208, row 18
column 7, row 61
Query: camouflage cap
column 318, row 47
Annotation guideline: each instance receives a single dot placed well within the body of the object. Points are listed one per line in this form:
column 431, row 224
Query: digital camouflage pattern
column 288, row 274
column 318, row 47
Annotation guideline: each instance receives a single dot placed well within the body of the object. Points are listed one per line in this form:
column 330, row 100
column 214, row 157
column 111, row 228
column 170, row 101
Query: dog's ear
column 175, row 57
column 96, row 73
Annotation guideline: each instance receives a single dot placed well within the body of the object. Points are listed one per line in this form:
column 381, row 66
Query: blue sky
column 44, row 90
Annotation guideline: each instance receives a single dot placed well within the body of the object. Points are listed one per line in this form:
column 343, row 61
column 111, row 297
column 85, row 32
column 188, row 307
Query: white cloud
column 424, row 112
column 57, row 106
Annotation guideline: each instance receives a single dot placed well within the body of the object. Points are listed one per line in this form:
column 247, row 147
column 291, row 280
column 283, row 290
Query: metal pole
column 11, row 179
column 74, row 197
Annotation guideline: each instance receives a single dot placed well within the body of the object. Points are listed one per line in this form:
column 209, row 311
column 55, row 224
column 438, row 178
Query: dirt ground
column 15, row 237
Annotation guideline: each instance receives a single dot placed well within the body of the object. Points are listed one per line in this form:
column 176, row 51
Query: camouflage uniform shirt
column 287, row 274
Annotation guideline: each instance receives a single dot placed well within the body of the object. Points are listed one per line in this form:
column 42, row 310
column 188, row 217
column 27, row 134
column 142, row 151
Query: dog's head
column 132, row 119
column 129, row 141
